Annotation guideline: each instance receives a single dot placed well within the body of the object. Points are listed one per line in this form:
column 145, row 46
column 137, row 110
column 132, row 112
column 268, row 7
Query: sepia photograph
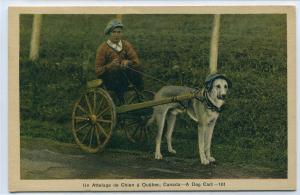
column 143, row 99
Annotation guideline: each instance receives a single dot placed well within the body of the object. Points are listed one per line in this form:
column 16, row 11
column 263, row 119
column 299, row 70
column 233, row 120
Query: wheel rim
column 93, row 120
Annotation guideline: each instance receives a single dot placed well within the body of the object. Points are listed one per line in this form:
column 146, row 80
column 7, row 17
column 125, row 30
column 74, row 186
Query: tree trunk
column 214, row 44
column 35, row 37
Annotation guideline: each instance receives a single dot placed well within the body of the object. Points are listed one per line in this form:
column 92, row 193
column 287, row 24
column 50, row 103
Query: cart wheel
column 93, row 120
column 135, row 121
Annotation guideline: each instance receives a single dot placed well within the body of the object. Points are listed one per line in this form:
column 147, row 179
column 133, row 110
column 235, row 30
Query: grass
column 252, row 53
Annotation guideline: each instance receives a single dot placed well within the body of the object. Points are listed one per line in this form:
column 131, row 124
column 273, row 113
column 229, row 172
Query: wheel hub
column 93, row 118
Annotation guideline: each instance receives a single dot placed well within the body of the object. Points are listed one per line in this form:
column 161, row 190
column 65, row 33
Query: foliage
column 48, row 90
column 174, row 48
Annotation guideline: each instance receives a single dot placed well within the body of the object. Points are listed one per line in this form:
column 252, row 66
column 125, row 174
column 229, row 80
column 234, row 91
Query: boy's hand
column 115, row 64
column 125, row 64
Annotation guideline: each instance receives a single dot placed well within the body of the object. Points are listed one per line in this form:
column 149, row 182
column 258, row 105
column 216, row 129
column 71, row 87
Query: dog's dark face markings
column 219, row 88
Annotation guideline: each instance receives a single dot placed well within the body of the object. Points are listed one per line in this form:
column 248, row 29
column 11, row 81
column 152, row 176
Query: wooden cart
column 95, row 115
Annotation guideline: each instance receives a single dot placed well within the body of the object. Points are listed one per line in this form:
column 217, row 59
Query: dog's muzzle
column 222, row 97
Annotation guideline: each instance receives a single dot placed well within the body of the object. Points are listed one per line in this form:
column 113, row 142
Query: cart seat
column 94, row 83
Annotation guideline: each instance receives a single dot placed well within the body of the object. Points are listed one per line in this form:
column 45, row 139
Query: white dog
column 204, row 109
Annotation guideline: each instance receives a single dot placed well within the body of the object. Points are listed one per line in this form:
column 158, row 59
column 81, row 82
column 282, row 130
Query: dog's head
column 218, row 85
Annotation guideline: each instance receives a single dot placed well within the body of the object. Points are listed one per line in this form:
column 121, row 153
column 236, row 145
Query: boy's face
column 116, row 35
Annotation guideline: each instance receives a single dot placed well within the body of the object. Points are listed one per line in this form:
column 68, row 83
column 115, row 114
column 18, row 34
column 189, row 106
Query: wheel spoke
column 77, row 130
column 146, row 133
column 104, row 121
column 82, row 109
column 142, row 133
column 102, row 129
column 101, row 102
column 94, row 108
column 130, row 100
column 83, row 118
column 97, row 134
column 91, row 137
column 85, row 136
column 132, row 123
column 134, row 133
column 88, row 104
column 103, row 111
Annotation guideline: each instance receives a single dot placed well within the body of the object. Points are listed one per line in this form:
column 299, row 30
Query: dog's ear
column 208, row 85
column 209, row 81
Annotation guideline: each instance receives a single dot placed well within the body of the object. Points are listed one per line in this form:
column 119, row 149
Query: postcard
column 196, row 98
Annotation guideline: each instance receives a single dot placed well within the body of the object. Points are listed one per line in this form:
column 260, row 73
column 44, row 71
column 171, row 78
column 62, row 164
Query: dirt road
column 47, row 159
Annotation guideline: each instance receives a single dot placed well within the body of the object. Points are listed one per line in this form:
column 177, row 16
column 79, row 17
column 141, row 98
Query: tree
column 214, row 44
column 35, row 37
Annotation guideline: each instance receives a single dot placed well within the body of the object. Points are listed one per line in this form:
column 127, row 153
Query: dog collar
column 208, row 104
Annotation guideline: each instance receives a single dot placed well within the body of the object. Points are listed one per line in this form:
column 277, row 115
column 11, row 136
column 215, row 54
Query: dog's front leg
column 201, row 137
column 208, row 137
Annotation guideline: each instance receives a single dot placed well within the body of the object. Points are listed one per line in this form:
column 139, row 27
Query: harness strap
column 208, row 104
column 182, row 104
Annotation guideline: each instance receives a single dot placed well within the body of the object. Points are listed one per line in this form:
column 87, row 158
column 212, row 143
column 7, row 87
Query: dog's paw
column 211, row 159
column 204, row 161
column 172, row 151
column 158, row 156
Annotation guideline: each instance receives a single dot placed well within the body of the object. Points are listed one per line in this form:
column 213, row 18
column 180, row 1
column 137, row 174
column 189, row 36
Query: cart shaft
column 137, row 106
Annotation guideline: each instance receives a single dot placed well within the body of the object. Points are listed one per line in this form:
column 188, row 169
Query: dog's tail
column 150, row 121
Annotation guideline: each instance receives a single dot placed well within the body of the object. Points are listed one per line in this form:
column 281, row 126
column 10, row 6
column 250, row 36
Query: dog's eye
column 218, row 86
column 225, row 86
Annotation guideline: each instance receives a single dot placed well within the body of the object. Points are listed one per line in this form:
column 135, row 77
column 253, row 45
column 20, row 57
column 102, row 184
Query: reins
column 149, row 76
column 202, row 98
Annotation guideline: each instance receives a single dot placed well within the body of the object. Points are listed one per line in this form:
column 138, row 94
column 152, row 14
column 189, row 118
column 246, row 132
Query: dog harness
column 208, row 104
column 202, row 98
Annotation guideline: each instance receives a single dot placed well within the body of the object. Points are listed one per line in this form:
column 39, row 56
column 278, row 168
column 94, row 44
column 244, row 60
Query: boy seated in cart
column 116, row 61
